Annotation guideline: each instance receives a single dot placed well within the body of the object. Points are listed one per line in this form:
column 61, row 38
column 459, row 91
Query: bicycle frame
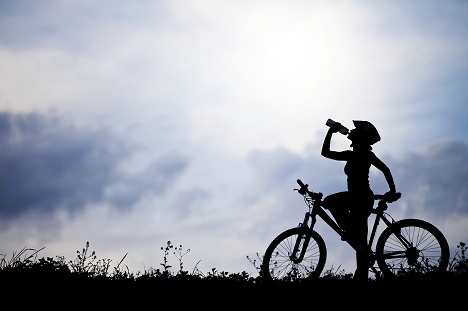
column 316, row 208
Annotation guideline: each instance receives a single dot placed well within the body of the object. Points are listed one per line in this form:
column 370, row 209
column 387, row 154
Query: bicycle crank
column 412, row 254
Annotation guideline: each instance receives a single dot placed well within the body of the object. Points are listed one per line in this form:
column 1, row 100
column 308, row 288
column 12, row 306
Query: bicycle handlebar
column 304, row 188
column 301, row 183
column 388, row 197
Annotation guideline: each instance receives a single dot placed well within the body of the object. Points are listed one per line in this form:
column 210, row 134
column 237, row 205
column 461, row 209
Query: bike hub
column 412, row 254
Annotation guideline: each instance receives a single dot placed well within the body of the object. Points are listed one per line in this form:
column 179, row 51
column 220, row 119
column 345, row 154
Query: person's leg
column 362, row 259
column 360, row 211
column 337, row 204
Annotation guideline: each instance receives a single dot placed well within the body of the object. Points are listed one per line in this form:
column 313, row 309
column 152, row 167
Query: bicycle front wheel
column 412, row 246
column 296, row 253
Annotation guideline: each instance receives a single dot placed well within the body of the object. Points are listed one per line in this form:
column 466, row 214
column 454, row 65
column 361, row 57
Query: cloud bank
column 51, row 170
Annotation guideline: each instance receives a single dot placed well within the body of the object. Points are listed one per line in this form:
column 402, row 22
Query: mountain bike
column 404, row 246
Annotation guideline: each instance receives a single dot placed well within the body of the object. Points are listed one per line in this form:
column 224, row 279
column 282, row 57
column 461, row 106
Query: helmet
column 367, row 127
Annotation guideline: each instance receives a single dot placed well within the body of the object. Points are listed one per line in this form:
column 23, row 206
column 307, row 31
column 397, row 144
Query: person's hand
column 392, row 196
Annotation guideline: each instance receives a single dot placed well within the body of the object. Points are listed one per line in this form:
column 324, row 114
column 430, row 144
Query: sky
column 128, row 124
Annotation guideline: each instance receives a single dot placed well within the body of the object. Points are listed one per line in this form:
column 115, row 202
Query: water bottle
column 337, row 126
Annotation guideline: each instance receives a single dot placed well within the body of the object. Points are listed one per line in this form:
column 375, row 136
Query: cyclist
column 352, row 208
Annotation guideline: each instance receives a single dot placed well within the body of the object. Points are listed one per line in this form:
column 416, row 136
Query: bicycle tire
column 278, row 265
column 429, row 252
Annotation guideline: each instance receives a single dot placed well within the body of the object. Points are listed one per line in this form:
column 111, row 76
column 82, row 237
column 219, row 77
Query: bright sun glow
column 294, row 60
column 285, row 52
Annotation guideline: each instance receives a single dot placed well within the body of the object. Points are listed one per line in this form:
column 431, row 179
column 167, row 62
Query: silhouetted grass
column 88, row 275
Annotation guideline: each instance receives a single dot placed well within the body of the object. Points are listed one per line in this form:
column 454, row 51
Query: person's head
column 364, row 134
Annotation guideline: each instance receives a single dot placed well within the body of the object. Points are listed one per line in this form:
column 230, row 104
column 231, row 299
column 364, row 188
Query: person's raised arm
column 326, row 152
column 326, row 143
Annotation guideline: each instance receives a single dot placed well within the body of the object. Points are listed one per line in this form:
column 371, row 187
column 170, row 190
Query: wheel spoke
column 278, row 262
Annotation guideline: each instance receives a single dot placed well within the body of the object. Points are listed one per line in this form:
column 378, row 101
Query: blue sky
column 131, row 123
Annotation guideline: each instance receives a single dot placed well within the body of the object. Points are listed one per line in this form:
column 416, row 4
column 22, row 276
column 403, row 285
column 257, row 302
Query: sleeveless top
column 357, row 169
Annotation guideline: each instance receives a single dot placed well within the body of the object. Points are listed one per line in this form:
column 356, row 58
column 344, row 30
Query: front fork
column 302, row 239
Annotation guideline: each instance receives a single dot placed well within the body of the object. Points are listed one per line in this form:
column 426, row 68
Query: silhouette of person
column 352, row 208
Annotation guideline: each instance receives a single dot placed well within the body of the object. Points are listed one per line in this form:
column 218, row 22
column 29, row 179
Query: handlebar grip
column 303, row 189
column 394, row 197
column 388, row 197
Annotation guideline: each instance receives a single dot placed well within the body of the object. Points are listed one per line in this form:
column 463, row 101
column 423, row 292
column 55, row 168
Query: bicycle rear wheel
column 279, row 262
column 411, row 246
